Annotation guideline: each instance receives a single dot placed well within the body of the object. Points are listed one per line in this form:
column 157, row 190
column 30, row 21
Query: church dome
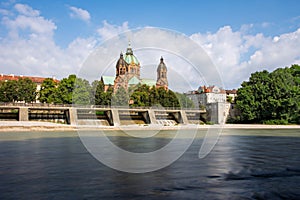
column 129, row 57
column 161, row 65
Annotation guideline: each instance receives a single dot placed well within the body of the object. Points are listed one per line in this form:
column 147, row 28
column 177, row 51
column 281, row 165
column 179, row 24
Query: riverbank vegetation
column 270, row 97
column 74, row 90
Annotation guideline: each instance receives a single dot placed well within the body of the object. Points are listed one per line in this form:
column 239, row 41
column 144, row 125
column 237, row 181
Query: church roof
column 129, row 57
column 134, row 81
column 108, row 80
column 149, row 82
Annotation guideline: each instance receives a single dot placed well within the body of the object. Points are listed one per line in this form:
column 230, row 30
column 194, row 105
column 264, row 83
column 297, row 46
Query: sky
column 54, row 38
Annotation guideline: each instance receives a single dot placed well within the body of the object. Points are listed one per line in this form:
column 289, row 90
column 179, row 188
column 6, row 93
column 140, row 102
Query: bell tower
column 162, row 80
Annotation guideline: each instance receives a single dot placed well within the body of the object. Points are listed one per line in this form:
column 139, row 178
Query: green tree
column 120, row 98
column 8, row 91
column 271, row 97
column 100, row 96
column 82, row 92
column 26, row 90
column 65, row 90
column 93, row 91
column 48, row 91
column 107, row 98
column 140, row 96
column 184, row 101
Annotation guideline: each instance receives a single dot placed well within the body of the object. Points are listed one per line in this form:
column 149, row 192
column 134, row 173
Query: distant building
column 206, row 95
column 231, row 94
column 128, row 73
column 214, row 99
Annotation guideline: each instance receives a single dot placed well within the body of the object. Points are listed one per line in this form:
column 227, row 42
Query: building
column 214, row 100
column 207, row 95
column 231, row 95
column 128, row 73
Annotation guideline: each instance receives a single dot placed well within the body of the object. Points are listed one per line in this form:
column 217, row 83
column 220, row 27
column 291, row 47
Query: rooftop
column 11, row 77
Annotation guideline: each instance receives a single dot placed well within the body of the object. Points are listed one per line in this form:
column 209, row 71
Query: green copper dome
column 129, row 57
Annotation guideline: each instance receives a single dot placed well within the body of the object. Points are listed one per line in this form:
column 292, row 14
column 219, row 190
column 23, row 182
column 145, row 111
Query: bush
column 276, row 122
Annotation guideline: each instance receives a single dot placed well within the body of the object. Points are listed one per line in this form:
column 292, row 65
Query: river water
column 242, row 165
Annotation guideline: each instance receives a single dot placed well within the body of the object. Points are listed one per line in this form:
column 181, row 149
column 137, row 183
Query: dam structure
column 100, row 115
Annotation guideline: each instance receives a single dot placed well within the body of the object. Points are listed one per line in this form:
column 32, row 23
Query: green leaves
column 48, row 90
column 23, row 90
column 271, row 97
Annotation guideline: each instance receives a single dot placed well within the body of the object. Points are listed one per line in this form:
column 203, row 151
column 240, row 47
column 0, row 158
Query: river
column 256, row 164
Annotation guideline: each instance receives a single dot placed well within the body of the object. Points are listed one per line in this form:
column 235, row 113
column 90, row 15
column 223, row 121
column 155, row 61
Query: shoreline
column 16, row 126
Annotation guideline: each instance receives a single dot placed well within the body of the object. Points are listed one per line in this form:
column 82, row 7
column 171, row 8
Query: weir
column 101, row 116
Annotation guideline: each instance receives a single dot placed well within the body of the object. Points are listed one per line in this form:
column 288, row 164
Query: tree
column 140, row 96
column 93, row 93
column 48, row 90
column 26, row 90
column 65, row 90
column 81, row 92
column 271, row 97
column 120, row 98
column 100, row 96
column 184, row 101
column 8, row 91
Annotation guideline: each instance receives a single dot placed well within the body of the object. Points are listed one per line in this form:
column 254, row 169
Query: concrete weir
column 101, row 116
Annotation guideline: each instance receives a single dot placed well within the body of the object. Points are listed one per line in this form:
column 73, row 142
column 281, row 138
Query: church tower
column 121, row 74
column 162, row 80
column 127, row 70
column 133, row 63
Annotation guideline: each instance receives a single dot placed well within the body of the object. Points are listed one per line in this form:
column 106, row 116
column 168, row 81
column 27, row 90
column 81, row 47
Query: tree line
column 270, row 97
column 75, row 90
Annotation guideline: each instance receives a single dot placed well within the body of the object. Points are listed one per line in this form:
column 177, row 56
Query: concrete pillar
column 177, row 116
column 23, row 114
column 116, row 117
column 184, row 117
column 72, row 116
column 146, row 117
column 152, row 116
column 109, row 116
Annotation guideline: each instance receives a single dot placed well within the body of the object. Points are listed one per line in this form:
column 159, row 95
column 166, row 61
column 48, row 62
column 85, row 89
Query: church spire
column 162, row 80
column 129, row 49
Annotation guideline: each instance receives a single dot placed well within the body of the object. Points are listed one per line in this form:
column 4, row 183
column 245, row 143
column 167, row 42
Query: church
column 128, row 70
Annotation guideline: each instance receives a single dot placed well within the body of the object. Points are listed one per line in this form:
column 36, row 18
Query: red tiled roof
column 233, row 91
column 209, row 89
column 34, row 79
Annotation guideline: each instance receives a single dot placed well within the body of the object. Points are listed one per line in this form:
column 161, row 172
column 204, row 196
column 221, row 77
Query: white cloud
column 28, row 20
column 109, row 30
column 29, row 47
column 26, row 10
column 238, row 54
column 80, row 13
column 4, row 12
column 188, row 65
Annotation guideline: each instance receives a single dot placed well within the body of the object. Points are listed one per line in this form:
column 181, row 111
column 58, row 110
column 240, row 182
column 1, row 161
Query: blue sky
column 271, row 17
column 239, row 36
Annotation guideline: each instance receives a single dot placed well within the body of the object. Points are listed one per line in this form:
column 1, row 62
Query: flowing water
column 243, row 165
